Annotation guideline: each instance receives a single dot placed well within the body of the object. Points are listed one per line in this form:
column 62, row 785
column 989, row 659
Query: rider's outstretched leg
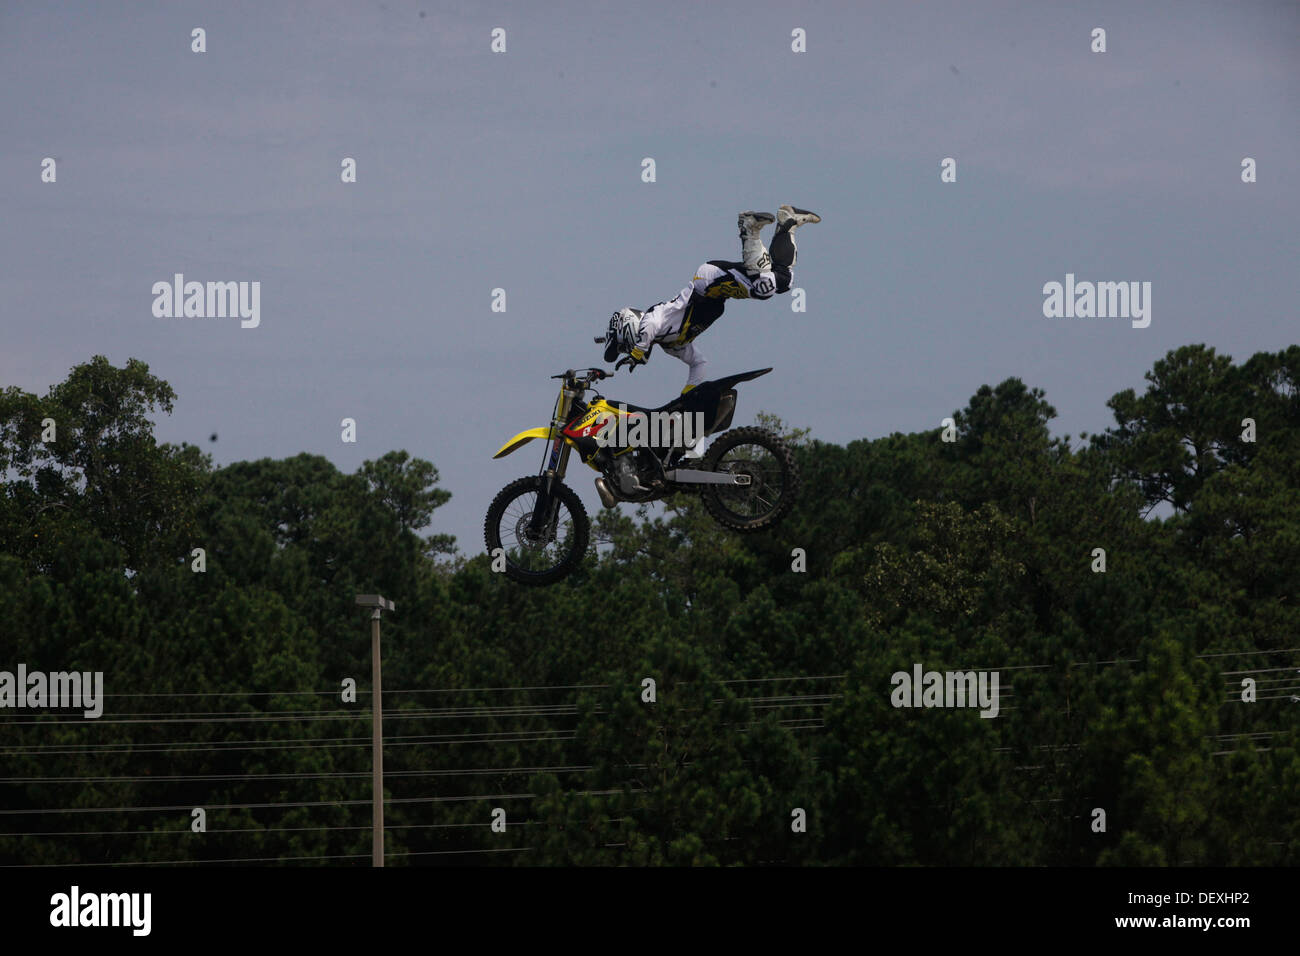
column 752, row 252
column 784, row 251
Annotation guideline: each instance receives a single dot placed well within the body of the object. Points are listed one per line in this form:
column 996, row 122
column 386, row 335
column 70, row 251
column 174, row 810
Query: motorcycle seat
column 700, row 397
column 675, row 405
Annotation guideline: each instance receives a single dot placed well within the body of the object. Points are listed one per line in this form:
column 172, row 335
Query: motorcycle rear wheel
column 774, row 479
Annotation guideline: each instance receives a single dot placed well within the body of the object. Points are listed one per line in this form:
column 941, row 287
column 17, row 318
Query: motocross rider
column 674, row 324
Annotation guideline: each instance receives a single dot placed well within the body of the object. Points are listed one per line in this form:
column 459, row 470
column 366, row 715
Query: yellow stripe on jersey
column 686, row 324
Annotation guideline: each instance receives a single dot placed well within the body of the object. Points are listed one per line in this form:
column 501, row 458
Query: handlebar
column 593, row 375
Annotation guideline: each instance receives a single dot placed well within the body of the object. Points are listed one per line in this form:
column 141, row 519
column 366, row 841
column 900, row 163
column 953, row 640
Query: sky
column 522, row 170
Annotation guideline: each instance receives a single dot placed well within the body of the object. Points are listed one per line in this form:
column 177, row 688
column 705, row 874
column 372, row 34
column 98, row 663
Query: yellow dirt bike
column 747, row 479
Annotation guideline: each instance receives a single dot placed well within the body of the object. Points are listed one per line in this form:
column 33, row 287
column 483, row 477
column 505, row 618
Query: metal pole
column 377, row 738
column 377, row 604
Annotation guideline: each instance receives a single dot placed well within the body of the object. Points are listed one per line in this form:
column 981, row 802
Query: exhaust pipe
column 606, row 496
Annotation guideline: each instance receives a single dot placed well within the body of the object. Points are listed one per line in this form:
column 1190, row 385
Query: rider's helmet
column 624, row 328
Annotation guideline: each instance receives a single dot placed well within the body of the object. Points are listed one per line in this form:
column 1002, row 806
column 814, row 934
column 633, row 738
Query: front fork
column 546, row 512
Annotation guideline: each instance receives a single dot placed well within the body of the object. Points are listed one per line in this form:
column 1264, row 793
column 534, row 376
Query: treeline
column 1122, row 641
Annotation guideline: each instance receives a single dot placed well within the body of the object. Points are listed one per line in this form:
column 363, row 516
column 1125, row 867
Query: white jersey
column 674, row 324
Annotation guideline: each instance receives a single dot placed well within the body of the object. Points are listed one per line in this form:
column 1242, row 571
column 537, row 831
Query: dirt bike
column 747, row 478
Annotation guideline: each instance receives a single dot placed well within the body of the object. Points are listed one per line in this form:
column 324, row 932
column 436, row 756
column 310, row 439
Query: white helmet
column 624, row 329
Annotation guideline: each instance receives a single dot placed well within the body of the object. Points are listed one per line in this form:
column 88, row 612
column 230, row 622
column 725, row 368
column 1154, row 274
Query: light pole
column 377, row 605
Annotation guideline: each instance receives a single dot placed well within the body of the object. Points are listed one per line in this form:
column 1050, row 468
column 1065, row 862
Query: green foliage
column 1120, row 691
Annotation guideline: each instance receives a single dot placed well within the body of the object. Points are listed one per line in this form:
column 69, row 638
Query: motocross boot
column 784, row 251
column 752, row 250
column 787, row 217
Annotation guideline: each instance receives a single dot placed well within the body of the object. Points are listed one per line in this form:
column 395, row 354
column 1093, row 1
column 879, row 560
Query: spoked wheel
column 536, row 558
column 773, row 479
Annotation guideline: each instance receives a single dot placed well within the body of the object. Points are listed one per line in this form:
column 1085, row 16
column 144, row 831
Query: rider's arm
column 662, row 321
column 651, row 325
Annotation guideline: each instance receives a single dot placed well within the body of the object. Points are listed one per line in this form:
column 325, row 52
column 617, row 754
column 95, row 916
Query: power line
column 1285, row 650
column 387, row 826
column 267, row 859
column 503, row 737
column 542, row 710
column 312, row 803
column 325, row 775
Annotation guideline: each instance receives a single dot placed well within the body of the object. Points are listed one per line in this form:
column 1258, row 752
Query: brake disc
column 529, row 540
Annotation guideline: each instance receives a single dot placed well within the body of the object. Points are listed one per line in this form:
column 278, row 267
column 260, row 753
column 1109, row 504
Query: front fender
column 524, row 438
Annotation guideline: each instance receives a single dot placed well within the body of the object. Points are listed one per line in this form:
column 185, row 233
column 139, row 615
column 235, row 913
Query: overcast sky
column 522, row 170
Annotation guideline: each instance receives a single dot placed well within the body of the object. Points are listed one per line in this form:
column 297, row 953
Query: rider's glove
column 632, row 360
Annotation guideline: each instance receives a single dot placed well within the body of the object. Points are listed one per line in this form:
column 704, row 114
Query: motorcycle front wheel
column 542, row 558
